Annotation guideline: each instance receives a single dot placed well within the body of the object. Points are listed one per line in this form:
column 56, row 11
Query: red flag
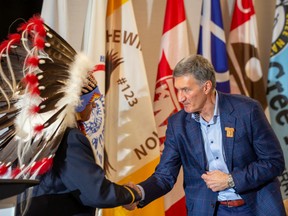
column 245, row 66
column 174, row 47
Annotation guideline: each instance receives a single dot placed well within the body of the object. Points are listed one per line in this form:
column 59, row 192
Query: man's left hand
column 216, row 180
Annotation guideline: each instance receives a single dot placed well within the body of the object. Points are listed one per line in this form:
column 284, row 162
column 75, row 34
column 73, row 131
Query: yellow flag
column 130, row 130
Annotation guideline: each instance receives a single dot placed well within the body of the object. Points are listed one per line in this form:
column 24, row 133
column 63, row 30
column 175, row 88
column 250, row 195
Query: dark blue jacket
column 253, row 156
column 76, row 185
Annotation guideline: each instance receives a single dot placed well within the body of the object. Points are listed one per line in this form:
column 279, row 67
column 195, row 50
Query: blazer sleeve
column 166, row 172
column 77, row 169
column 266, row 162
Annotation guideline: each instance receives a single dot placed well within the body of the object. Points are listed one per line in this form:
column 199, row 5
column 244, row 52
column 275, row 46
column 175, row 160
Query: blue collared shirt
column 215, row 155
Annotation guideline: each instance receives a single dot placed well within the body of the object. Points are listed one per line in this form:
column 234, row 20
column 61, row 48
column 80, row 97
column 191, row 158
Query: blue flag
column 212, row 43
column 277, row 86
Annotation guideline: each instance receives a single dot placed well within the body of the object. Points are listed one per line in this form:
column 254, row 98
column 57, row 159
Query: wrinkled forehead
column 185, row 81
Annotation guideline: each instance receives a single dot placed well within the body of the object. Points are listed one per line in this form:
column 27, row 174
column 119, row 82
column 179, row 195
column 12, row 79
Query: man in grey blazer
column 229, row 153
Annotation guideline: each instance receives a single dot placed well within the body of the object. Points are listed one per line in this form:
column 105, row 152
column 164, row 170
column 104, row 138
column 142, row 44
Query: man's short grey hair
column 197, row 66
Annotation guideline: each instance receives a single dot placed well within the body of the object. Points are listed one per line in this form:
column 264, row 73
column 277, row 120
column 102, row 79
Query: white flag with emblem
column 130, row 131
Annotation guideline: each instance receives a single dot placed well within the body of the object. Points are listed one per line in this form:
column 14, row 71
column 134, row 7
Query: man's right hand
column 132, row 206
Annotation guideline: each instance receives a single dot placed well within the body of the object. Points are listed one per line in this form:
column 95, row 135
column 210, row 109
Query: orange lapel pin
column 229, row 132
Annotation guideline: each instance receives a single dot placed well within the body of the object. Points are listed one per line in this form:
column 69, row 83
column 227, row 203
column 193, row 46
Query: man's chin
column 188, row 110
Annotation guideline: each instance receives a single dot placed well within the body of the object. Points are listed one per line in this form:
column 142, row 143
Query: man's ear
column 207, row 86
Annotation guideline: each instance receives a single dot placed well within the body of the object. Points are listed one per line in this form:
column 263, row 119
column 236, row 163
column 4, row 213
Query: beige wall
column 150, row 17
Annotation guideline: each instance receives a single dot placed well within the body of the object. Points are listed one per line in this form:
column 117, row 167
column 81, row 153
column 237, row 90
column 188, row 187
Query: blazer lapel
column 228, row 124
column 193, row 131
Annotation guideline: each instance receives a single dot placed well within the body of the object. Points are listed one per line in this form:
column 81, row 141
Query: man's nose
column 180, row 96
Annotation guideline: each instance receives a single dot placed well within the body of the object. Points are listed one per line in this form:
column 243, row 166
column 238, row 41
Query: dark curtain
column 14, row 12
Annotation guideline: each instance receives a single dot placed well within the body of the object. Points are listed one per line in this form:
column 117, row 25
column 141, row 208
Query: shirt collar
column 196, row 116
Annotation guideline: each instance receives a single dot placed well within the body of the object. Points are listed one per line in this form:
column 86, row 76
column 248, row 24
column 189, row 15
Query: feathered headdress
column 41, row 80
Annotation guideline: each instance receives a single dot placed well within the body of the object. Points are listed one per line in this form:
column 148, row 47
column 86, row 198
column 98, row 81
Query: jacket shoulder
column 74, row 136
column 236, row 102
column 180, row 115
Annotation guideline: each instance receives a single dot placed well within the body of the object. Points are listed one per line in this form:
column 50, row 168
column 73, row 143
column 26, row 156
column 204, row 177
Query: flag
column 93, row 44
column 94, row 38
column 277, row 85
column 130, row 131
column 212, row 43
column 242, row 46
column 67, row 19
column 174, row 47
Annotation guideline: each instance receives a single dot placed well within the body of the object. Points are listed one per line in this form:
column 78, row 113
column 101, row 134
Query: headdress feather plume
column 41, row 79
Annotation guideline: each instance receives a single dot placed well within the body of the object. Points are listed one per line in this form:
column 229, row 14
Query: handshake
column 132, row 206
